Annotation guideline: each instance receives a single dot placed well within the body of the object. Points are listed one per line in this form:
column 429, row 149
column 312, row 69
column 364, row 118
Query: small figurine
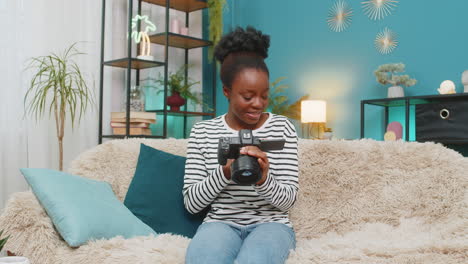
column 447, row 87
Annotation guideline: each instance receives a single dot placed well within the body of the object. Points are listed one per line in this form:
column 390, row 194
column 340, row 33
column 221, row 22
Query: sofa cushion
column 155, row 193
column 83, row 209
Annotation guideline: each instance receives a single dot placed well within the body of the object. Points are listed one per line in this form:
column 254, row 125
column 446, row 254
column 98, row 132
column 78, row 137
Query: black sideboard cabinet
column 438, row 118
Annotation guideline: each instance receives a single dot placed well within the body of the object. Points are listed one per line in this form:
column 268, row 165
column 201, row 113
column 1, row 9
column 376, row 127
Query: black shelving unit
column 167, row 39
column 408, row 101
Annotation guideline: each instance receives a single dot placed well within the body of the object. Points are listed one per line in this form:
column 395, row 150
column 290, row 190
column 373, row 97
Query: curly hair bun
column 249, row 40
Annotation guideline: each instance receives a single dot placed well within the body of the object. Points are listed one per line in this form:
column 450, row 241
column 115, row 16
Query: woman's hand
column 227, row 169
column 261, row 158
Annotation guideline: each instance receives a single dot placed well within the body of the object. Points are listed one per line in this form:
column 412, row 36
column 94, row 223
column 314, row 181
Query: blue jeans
column 221, row 243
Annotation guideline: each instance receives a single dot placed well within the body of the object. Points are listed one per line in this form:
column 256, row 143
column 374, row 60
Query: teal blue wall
column 338, row 67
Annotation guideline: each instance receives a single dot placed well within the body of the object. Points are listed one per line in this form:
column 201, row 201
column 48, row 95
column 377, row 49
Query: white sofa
column 360, row 201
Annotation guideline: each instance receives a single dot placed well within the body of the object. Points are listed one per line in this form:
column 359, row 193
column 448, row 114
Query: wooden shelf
column 182, row 113
column 179, row 41
column 167, row 39
column 134, row 63
column 181, row 5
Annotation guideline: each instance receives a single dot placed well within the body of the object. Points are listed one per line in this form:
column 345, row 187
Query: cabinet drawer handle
column 444, row 113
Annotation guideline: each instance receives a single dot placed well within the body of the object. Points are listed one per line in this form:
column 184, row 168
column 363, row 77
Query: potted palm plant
column 6, row 258
column 58, row 86
column 3, row 240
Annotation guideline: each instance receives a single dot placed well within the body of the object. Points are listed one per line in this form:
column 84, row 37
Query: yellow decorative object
column 390, row 136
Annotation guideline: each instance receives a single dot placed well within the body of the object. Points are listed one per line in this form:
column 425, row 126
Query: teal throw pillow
column 83, row 209
column 155, row 193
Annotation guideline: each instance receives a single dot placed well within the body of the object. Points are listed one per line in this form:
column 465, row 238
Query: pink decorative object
column 175, row 26
column 396, row 128
column 184, row 31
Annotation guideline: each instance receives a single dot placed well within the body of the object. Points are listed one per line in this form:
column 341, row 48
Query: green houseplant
column 215, row 13
column 278, row 102
column 387, row 74
column 180, row 88
column 58, row 86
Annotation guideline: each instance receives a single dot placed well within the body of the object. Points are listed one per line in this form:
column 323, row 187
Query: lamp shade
column 313, row 111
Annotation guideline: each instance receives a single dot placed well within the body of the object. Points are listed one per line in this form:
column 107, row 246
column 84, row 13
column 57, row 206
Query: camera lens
column 245, row 170
column 246, row 173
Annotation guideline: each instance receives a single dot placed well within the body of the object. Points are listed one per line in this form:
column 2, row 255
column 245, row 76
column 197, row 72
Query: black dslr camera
column 245, row 170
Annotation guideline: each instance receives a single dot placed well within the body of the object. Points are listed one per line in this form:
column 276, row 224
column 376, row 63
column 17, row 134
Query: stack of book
column 139, row 122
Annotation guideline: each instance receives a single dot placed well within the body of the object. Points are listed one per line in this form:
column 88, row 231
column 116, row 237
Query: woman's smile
column 253, row 115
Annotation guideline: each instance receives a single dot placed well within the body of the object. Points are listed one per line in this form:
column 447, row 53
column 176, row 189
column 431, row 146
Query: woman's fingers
column 254, row 152
column 263, row 164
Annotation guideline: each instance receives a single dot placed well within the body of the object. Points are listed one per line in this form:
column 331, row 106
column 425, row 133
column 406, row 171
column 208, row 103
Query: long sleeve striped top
column 205, row 183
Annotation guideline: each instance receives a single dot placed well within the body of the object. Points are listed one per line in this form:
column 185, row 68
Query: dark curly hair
column 241, row 49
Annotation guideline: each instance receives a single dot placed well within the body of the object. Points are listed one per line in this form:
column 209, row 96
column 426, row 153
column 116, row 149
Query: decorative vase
column 137, row 99
column 175, row 101
column 395, row 91
column 175, row 26
column 14, row 260
column 465, row 81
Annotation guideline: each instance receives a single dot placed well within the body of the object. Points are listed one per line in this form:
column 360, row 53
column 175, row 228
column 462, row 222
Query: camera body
column 245, row 170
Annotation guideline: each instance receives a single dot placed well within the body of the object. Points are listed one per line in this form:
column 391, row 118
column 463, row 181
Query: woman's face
column 248, row 97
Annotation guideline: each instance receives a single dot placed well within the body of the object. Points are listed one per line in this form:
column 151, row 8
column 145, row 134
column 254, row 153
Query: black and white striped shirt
column 205, row 183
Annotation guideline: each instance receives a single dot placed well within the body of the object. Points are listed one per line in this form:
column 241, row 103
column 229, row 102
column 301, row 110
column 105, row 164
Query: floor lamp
column 313, row 117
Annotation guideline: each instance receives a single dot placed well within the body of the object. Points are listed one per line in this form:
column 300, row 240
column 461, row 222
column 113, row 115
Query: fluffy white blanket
column 360, row 201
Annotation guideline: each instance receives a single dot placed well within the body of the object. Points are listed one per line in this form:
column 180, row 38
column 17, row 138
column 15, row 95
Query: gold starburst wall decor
column 386, row 41
column 339, row 17
column 378, row 9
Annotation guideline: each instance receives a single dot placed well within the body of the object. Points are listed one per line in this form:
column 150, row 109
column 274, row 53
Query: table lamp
column 314, row 114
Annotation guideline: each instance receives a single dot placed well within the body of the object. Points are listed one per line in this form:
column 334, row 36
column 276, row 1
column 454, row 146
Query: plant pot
column 175, row 101
column 395, row 91
column 15, row 260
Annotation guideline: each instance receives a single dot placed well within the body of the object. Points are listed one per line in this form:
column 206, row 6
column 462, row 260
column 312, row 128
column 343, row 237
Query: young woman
column 245, row 224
